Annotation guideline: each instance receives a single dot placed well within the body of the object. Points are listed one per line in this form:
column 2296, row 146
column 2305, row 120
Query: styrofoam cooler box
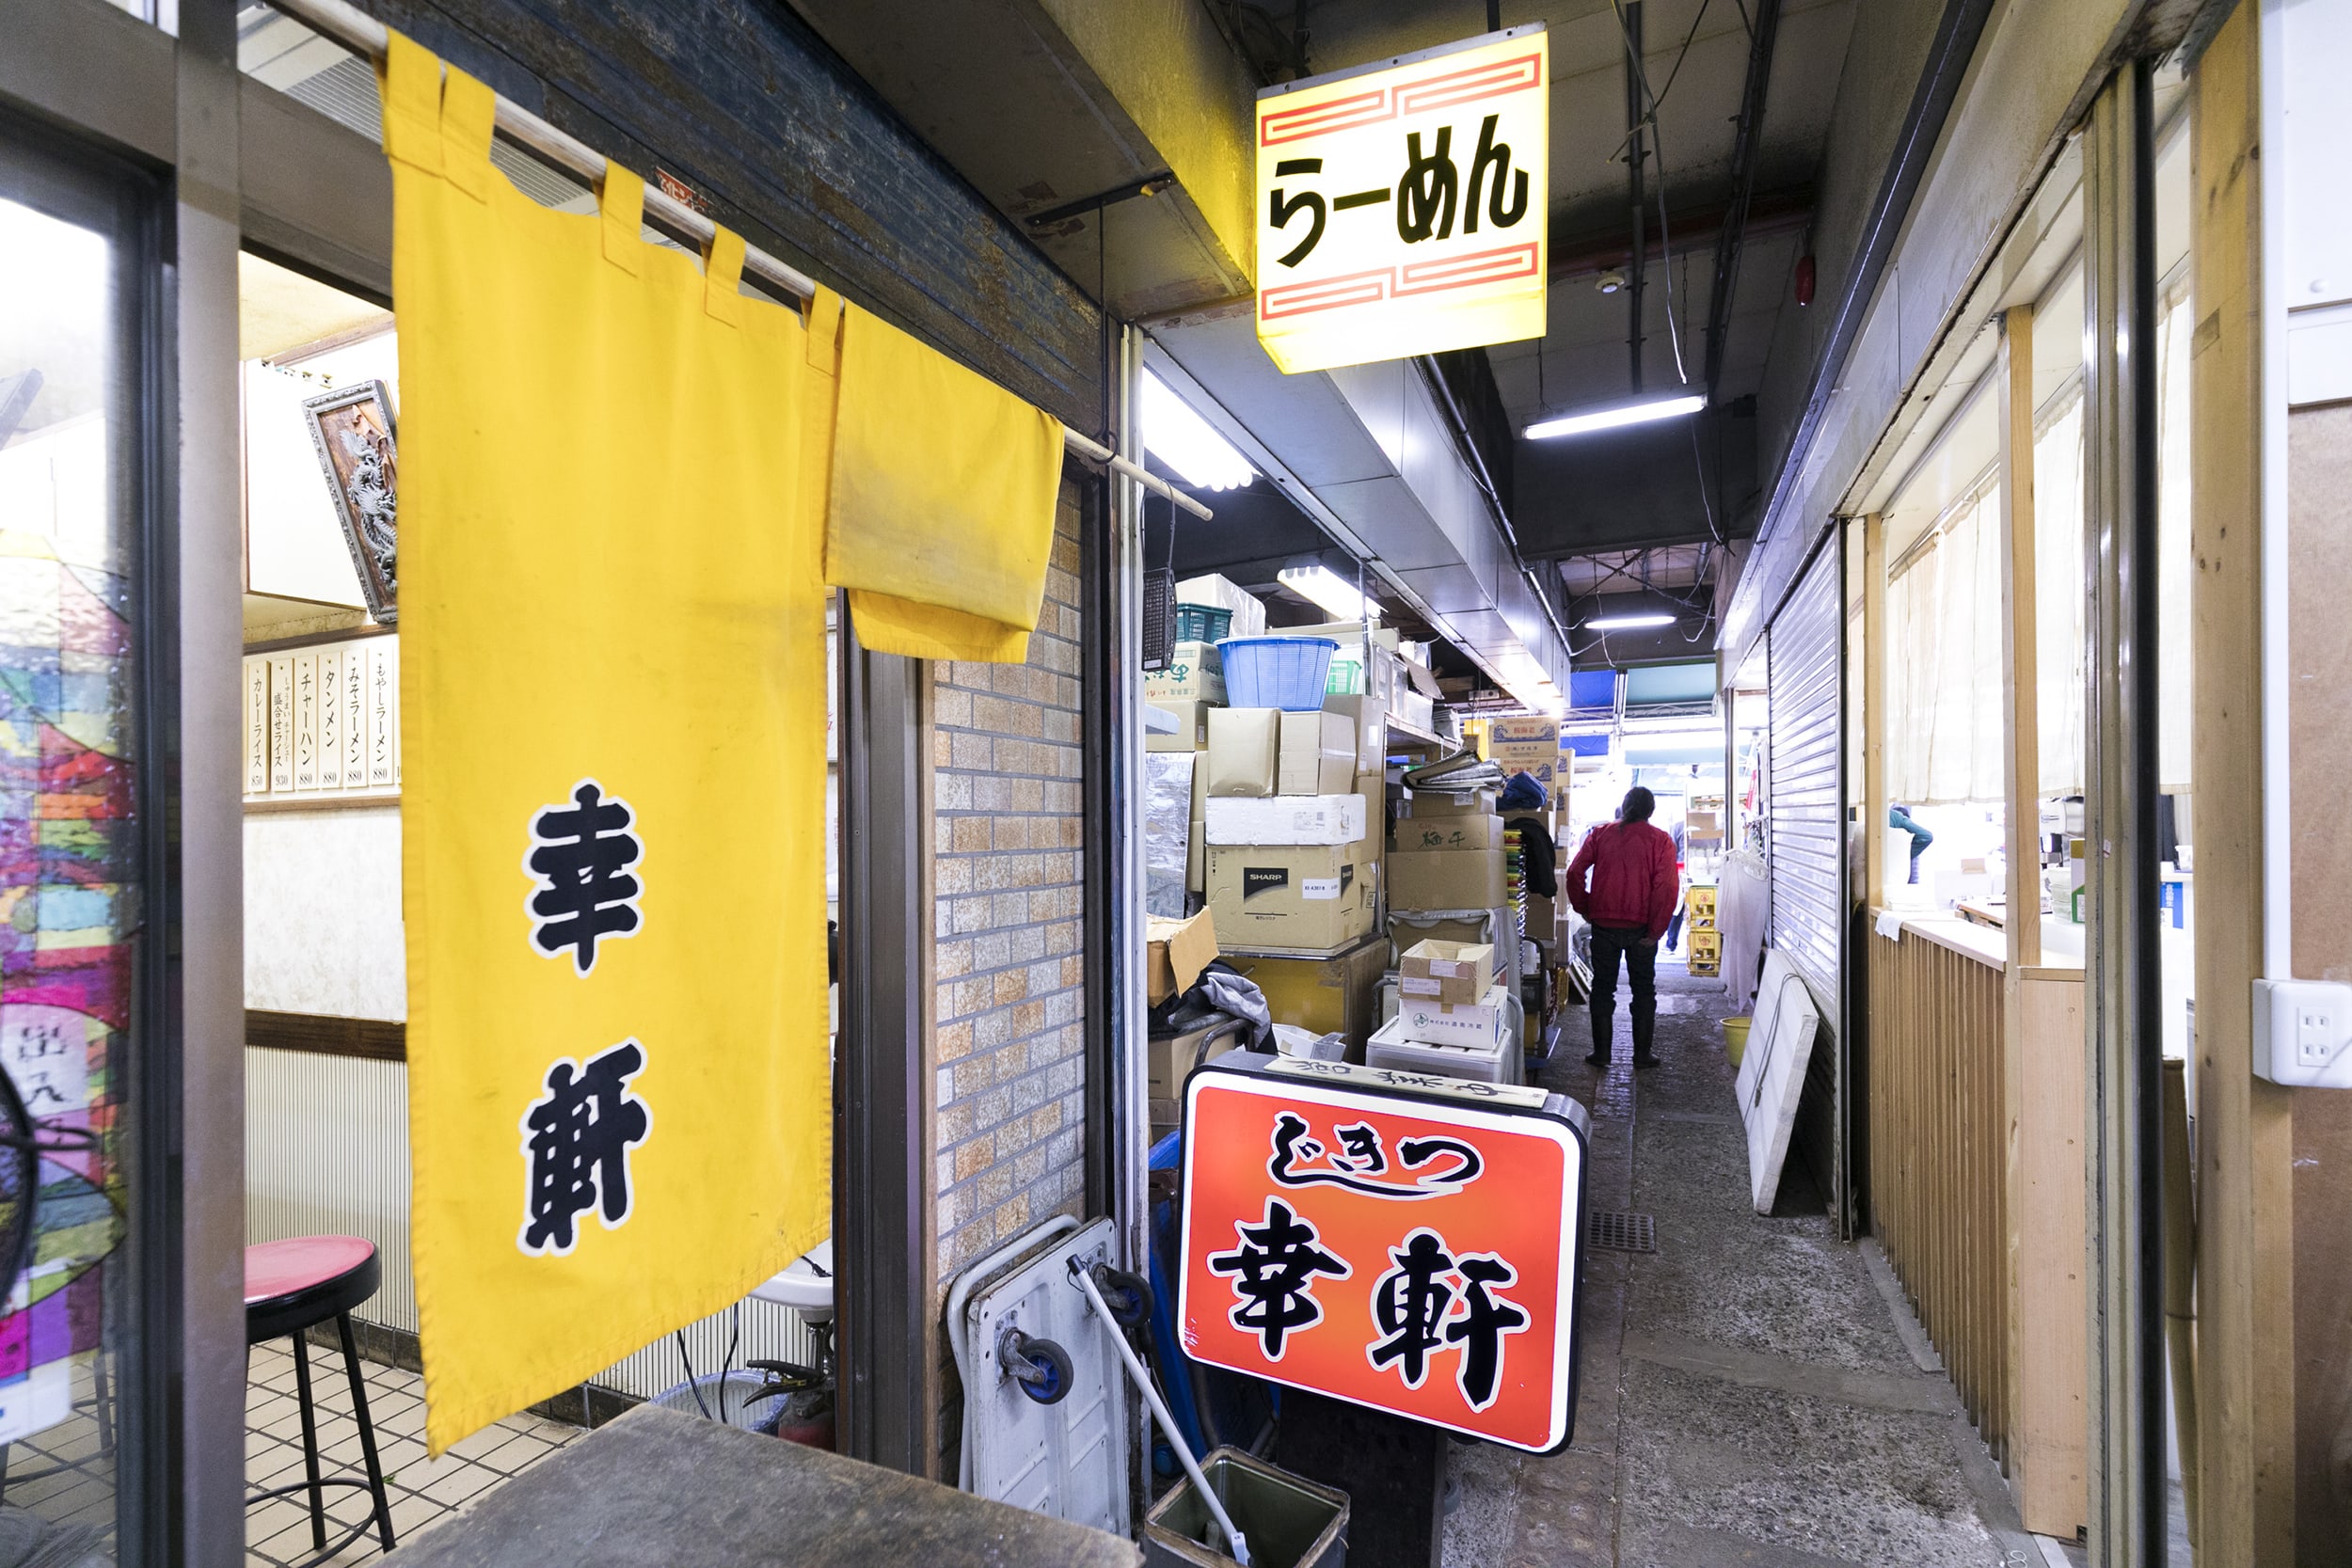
column 1489, row 1064
column 1391, row 1002
column 1424, row 1022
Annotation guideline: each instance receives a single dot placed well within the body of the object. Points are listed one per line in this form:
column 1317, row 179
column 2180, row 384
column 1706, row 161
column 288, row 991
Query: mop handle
column 1159, row 1412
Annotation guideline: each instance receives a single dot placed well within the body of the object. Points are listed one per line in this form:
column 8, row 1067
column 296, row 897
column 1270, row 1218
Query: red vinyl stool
column 289, row 1286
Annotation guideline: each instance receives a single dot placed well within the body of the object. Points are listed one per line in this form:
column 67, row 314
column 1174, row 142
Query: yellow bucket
column 1736, row 1038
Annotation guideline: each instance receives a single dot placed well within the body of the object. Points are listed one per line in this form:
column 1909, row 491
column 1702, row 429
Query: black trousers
column 1641, row 964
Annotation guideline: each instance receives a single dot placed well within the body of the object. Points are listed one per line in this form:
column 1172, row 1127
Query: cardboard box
column 1369, row 717
column 1292, row 898
column 1192, row 728
column 1334, row 995
column 1318, row 754
column 1287, row 819
column 1244, row 748
column 1429, row 833
column 1194, row 674
column 1445, row 878
column 1173, row 1056
column 1477, row 1025
column 1437, row 802
column 1453, row 973
column 1543, row 918
column 1175, row 953
column 1540, row 736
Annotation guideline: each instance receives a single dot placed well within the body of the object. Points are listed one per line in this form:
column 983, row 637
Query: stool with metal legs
column 289, row 1287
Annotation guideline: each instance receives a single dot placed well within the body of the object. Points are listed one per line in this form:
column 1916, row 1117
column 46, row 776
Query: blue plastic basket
column 1276, row 671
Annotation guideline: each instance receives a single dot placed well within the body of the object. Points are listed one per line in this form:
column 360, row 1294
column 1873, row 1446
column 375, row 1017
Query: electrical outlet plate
column 2303, row 1033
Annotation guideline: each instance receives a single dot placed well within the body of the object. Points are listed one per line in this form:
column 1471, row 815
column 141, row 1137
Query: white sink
column 805, row 1284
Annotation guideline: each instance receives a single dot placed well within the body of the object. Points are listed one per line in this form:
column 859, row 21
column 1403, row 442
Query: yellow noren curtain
column 613, row 640
column 942, row 493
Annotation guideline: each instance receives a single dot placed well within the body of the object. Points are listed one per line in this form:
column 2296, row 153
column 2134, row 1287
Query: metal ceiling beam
column 1749, row 140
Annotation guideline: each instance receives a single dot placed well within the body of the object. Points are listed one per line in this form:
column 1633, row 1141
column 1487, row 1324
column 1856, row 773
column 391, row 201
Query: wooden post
column 1874, row 632
column 2245, row 1132
column 2019, row 667
column 2041, row 1036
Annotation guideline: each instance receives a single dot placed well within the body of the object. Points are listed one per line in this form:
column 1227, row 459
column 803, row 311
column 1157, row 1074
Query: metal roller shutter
column 1802, row 653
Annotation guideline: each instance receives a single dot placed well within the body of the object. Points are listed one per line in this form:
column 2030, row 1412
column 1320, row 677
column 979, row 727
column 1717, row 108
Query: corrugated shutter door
column 1808, row 838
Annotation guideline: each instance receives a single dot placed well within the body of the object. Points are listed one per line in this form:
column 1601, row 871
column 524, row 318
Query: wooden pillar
column 2244, row 1133
column 2019, row 668
column 1874, row 633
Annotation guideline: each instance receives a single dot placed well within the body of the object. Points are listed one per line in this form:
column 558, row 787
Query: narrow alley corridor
column 1756, row 1394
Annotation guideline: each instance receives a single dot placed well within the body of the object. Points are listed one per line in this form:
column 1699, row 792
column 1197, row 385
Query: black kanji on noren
column 581, row 853
column 577, row 1139
column 1409, row 1305
column 1481, row 1327
column 1275, row 1268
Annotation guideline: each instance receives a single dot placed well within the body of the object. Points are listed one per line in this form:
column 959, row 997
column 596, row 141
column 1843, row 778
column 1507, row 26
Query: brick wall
column 1009, row 879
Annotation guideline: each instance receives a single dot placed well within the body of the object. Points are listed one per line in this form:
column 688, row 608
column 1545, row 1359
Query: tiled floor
column 423, row 1491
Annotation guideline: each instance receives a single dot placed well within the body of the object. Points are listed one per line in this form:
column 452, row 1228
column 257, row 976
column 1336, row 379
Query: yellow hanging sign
column 613, row 686
column 1402, row 208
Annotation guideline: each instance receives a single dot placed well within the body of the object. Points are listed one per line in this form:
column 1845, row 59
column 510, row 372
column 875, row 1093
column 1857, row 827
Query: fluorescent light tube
column 1185, row 441
column 1627, row 622
column 1325, row 588
column 1610, row 418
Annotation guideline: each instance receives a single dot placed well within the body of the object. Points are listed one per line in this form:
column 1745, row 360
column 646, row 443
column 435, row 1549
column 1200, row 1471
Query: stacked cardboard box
column 1292, row 863
column 1702, row 940
column 1527, row 746
column 1452, row 1017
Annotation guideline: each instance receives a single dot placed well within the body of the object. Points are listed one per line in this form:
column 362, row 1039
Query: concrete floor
column 1756, row 1393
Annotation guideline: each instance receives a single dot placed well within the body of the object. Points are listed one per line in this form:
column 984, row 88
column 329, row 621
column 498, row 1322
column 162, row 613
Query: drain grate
column 1612, row 1231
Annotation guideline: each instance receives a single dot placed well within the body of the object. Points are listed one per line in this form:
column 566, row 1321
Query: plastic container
column 1289, row 1521
column 1287, row 673
column 741, row 1409
column 1736, row 1038
column 1202, row 623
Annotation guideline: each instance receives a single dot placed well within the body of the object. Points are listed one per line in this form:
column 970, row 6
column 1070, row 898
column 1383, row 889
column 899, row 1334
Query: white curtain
column 2174, row 557
column 1945, row 738
column 2060, row 599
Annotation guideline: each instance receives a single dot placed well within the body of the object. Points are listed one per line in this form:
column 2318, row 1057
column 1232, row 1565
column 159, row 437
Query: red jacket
column 1634, row 880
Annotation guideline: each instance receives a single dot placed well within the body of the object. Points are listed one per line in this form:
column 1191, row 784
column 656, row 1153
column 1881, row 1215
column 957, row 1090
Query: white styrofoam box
column 1285, row 819
column 1069, row 1458
column 1488, row 1063
column 1223, row 593
column 1481, row 1024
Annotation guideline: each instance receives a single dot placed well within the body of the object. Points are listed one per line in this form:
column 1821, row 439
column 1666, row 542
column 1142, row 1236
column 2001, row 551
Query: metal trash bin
column 1290, row 1522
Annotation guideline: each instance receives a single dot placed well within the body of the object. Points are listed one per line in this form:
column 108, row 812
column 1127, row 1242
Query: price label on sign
column 1416, row 1252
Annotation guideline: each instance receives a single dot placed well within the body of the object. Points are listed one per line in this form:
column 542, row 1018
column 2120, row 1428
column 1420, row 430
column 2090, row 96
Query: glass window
column 70, row 872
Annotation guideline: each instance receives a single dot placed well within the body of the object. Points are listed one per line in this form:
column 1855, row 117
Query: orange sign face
column 1412, row 1245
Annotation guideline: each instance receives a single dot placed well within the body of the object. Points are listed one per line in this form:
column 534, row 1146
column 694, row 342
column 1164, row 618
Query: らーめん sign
column 1401, row 208
column 1406, row 1243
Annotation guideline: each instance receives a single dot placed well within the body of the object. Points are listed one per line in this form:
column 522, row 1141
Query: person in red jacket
column 1635, row 885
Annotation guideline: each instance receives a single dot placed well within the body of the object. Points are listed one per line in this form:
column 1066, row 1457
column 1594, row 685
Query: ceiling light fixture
column 1610, row 418
column 1322, row 586
column 1185, row 441
column 1627, row 622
